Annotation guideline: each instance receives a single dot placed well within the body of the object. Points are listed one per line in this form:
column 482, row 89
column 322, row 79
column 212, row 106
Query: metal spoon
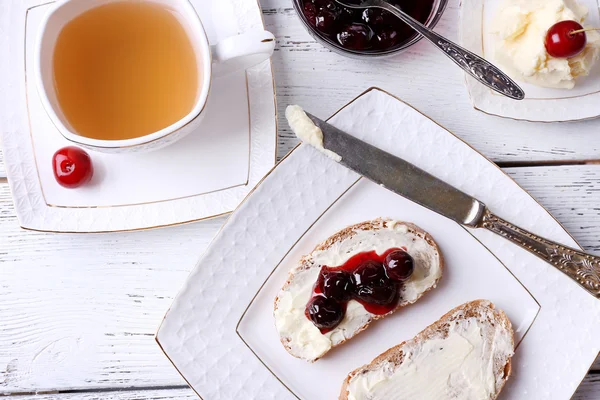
column 474, row 65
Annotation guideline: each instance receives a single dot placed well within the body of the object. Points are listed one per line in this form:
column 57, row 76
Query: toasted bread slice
column 464, row 355
column 299, row 335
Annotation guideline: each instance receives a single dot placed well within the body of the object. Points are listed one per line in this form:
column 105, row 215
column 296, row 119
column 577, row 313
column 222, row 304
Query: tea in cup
column 123, row 75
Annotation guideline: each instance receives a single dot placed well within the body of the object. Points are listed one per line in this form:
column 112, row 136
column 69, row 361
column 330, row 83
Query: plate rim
column 225, row 224
column 480, row 96
column 309, row 228
column 35, row 220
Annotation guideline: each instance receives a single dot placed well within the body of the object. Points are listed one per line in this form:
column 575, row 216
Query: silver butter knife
column 409, row 181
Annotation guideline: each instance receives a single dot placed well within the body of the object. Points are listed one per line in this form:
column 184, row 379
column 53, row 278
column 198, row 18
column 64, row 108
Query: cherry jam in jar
column 370, row 30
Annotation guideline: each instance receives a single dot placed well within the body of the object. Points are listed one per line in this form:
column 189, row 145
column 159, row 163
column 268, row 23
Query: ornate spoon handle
column 582, row 267
column 474, row 65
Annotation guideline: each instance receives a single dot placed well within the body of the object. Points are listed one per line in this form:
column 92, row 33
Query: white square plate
column 220, row 332
column 540, row 104
column 473, row 273
column 204, row 174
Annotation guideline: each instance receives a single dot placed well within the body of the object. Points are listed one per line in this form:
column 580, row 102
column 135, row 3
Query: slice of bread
column 464, row 355
column 299, row 335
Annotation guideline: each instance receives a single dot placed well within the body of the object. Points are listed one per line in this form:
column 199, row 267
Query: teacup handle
column 242, row 51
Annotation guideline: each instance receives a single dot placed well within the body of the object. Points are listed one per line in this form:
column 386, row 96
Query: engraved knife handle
column 584, row 268
column 480, row 69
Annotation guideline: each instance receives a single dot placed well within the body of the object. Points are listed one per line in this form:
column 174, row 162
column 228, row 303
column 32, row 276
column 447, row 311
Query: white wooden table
column 78, row 312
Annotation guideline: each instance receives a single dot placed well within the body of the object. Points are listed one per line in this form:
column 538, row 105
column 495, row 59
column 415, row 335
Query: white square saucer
column 206, row 174
column 540, row 104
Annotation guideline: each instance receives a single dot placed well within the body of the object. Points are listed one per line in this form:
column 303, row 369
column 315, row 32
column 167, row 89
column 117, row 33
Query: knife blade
column 401, row 177
column 413, row 183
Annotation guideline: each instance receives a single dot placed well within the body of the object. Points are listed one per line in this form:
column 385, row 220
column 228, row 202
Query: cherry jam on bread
column 371, row 279
column 370, row 29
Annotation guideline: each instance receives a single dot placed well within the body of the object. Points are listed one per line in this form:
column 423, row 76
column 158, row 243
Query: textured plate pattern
column 31, row 208
column 198, row 333
column 546, row 105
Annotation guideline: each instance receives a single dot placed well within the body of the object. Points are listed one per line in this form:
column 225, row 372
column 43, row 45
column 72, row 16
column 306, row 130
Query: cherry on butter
column 337, row 284
column 72, row 167
column 371, row 279
column 563, row 40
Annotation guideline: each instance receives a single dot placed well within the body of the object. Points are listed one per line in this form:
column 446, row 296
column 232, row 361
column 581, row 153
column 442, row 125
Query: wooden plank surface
column 80, row 311
column 158, row 394
column 588, row 390
column 571, row 194
column 2, row 170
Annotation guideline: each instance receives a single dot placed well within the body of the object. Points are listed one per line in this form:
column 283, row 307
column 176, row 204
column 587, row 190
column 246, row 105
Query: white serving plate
column 220, row 334
column 205, row 174
column 540, row 104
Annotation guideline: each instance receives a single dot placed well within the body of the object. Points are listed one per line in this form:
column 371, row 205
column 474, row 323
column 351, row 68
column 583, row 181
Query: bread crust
column 464, row 311
column 347, row 233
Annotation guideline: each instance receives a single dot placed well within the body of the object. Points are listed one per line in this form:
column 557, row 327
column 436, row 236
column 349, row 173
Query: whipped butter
column 521, row 27
column 459, row 367
column 300, row 335
column 307, row 131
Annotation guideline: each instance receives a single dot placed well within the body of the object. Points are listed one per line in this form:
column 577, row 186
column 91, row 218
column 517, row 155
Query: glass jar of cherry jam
column 366, row 33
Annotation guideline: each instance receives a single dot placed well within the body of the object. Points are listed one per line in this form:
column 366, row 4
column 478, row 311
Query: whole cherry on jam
column 325, row 21
column 400, row 265
column 565, row 39
column 72, row 167
column 383, row 294
column 356, row 36
column 373, row 285
column 324, row 312
column 370, row 273
column 386, row 38
column 374, row 16
column 337, row 284
column 310, row 12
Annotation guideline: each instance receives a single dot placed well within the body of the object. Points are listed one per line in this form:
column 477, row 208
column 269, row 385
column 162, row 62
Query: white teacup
column 232, row 54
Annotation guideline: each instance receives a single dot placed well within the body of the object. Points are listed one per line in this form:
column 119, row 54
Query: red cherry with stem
column 563, row 40
column 72, row 167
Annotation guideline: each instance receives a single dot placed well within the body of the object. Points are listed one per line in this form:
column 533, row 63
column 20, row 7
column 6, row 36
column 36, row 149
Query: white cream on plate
column 459, row 367
column 521, row 27
column 302, row 336
column 307, row 131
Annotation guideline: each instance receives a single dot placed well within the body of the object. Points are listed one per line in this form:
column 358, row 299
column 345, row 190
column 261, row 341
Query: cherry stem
column 583, row 30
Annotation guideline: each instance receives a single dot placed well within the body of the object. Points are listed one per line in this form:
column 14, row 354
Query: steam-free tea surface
column 125, row 70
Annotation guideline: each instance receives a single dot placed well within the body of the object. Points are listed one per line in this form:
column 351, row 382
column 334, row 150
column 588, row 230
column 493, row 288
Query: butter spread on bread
column 299, row 335
column 466, row 355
